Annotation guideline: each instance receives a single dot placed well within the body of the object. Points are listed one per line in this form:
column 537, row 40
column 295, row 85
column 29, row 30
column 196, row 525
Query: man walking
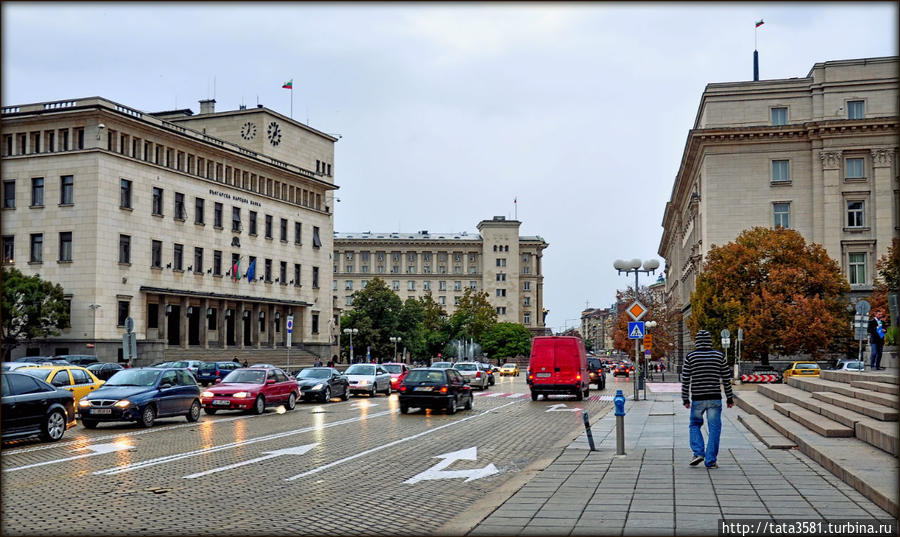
column 876, row 339
column 703, row 374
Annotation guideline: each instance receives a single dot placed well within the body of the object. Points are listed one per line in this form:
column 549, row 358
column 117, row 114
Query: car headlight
column 123, row 403
column 206, row 394
column 84, row 403
column 317, row 387
column 241, row 395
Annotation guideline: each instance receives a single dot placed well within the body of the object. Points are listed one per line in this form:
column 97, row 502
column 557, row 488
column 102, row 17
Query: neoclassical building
column 208, row 230
column 495, row 260
column 816, row 154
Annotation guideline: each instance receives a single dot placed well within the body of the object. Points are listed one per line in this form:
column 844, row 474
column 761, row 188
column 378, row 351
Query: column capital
column 883, row 157
column 831, row 160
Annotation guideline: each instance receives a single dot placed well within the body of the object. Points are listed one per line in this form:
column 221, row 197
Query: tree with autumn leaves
column 788, row 296
column 665, row 333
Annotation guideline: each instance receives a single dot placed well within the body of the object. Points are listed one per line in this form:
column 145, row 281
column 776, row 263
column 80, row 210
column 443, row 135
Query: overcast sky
column 447, row 112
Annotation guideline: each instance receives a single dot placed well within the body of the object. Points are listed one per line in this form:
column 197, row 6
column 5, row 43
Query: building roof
column 421, row 235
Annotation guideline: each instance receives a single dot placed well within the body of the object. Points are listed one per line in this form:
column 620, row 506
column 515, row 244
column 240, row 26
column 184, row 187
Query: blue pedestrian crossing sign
column 636, row 330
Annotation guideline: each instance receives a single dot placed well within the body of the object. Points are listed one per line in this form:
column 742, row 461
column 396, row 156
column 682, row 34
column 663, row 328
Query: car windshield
column 134, row 377
column 314, row 373
column 394, row 368
column 36, row 372
column 509, row 366
column 442, row 365
column 360, row 369
column 421, row 375
column 182, row 363
column 246, row 376
column 806, row 366
column 465, row 367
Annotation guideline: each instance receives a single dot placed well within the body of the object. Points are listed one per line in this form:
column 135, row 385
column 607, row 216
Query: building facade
column 495, row 260
column 207, row 230
column 816, row 154
column 598, row 326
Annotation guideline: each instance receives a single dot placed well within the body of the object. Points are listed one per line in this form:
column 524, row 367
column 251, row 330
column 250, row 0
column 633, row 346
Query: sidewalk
column 653, row 491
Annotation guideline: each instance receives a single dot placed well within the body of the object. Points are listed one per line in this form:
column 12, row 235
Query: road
column 343, row 468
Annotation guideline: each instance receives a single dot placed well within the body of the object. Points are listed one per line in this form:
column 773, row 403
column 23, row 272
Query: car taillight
column 478, row 374
column 402, row 388
column 217, row 372
column 577, row 377
column 530, row 377
column 443, row 389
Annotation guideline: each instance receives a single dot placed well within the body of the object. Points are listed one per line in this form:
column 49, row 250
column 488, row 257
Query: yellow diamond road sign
column 636, row 310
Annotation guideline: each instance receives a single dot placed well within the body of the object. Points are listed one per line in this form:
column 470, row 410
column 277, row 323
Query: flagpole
column 292, row 97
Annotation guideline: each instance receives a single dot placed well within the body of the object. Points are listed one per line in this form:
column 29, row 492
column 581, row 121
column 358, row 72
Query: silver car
column 368, row 378
column 474, row 372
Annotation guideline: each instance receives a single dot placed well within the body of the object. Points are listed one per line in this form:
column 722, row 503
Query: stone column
column 162, row 321
column 221, row 330
column 204, row 323
column 833, row 203
column 183, row 322
column 254, row 330
column 270, row 324
column 239, row 326
column 816, row 217
column 881, row 212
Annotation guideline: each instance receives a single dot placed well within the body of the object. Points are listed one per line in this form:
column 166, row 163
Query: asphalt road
column 344, row 468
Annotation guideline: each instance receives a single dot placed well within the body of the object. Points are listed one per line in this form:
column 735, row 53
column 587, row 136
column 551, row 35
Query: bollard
column 619, row 401
column 587, row 429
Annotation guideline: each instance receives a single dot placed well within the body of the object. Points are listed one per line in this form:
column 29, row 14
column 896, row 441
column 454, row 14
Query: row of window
column 47, row 141
column 426, row 286
column 854, row 169
column 855, row 215
column 66, row 191
column 426, row 257
column 36, row 248
column 855, row 110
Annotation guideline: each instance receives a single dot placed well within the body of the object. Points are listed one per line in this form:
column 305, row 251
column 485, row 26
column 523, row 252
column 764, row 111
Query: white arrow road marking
column 275, row 436
column 299, row 450
column 437, row 471
column 561, row 407
column 394, row 443
column 97, row 449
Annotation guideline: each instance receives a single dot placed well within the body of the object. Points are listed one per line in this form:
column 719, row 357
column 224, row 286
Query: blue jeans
column 713, row 409
column 875, row 355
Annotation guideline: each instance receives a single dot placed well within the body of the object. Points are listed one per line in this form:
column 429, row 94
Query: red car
column 253, row 389
column 398, row 373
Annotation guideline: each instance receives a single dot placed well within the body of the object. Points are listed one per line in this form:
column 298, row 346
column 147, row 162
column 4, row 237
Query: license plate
column 424, row 388
column 222, row 402
column 101, row 411
column 543, row 375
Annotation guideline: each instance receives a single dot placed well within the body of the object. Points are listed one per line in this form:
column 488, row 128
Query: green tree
column 789, row 297
column 504, row 340
column 32, row 308
column 411, row 327
column 473, row 317
column 376, row 314
column 436, row 325
column 887, row 280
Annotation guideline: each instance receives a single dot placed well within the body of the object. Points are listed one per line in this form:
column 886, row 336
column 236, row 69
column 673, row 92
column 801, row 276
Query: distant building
column 498, row 261
column 598, row 326
column 816, row 154
column 147, row 216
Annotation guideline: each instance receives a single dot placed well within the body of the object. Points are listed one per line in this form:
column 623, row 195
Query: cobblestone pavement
column 653, row 491
column 231, row 474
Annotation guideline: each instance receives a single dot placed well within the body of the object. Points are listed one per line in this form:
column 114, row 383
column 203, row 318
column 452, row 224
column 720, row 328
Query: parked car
column 12, row 366
column 251, row 389
column 32, row 359
column 368, row 378
column 597, row 373
column 191, row 365
column 398, row 372
column 209, row 372
column 160, row 364
column 558, row 365
column 509, row 369
column 801, row 369
column 323, row 383
column 105, row 370
column 31, row 406
column 83, row 360
column 142, row 394
column 489, row 369
column 442, row 365
column 474, row 373
column 851, row 365
column 435, row 388
column 621, row 369
column 72, row 378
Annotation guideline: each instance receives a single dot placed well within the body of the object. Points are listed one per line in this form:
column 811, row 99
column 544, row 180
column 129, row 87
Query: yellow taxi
column 73, row 378
column 802, row 369
column 509, row 369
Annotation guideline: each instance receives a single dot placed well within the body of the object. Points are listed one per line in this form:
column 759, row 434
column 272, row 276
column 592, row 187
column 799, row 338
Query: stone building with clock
column 208, row 230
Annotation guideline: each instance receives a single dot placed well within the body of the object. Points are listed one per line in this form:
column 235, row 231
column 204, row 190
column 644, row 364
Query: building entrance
column 173, row 325
column 229, row 328
column 248, row 325
column 194, row 326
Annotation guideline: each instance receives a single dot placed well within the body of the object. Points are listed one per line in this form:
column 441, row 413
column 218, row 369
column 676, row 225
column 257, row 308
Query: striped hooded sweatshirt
column 705, row 371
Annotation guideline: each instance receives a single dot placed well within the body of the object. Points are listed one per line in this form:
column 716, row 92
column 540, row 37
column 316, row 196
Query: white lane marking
column 179, row 456
column 97, row 449
column 497, row 394
column 394, row 443
column 516, row 395
column 561, row 407
column 437, row 471
column 299, row 450
column 362, row 404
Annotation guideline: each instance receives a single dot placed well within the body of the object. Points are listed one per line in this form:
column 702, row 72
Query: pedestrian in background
column 702, row 376
column 235, row 360
column 876, row 339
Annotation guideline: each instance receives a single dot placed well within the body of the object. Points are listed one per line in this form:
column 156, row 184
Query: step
column 867, row 469
column 881, row 434
column 873, row 410
column 814, row 422
column 822, row 385
column 871, row 376
column 881, row 387
column 766, row 434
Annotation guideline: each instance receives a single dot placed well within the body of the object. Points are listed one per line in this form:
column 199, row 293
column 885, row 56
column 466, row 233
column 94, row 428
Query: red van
column 558, row 365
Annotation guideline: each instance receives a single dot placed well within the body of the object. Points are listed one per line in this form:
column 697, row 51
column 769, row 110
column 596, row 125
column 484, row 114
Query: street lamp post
column 647, row 326
column 94, row 308
column 628, row 267
column 351, row 331
column 395, row 340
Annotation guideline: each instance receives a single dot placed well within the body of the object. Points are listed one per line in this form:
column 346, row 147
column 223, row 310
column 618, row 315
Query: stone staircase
column 845, row 421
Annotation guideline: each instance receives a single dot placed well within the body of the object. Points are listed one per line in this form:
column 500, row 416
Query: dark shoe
column 697, row 460
column 712, row 466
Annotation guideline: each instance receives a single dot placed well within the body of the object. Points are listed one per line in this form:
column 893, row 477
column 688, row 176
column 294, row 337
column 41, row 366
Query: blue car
column 142, row 395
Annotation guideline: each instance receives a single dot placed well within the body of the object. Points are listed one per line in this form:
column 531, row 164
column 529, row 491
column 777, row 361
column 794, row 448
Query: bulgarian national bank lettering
column 239, row 199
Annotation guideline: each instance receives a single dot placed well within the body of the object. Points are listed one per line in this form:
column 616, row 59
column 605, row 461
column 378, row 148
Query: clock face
column 274, row 133
column 248, row 131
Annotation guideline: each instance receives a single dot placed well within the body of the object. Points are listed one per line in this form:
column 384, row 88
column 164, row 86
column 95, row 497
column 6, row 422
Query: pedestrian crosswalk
column 518, row 395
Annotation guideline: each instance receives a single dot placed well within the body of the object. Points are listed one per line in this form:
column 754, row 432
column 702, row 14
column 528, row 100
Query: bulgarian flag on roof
column 759, row 23
column 289, row 84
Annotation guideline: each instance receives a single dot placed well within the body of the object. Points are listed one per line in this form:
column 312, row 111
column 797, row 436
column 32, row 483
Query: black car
column 83, row 360
column 105, row 370
column 597, row 373
column 323, row 383
column 142, row 394
column 435, row 388
column 209, row 372
column 34, row 407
